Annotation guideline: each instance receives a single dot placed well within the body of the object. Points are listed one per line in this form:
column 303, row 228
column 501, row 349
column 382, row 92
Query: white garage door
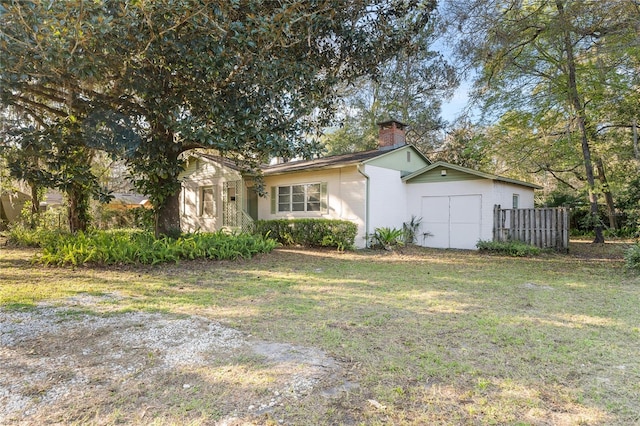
column 452, row 221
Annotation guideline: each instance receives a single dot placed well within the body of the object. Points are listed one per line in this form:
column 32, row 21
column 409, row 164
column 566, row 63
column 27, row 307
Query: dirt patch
column 64, row 365
column 611, row 251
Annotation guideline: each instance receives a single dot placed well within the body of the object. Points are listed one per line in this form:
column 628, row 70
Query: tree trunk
column 611, row 210
column 168, row 211
column 578, row 106
column 78, row 210
column 168, row 217
column 35, row 205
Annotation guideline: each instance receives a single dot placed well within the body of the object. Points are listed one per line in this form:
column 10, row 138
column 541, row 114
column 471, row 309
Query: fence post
column 496, row 222
column 565, row 228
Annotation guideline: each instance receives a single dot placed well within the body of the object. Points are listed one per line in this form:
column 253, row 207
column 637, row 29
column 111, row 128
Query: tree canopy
column 556, row 74
column 156, row 78
column 410, row 88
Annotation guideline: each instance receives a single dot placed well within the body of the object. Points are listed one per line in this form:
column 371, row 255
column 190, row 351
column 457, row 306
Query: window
column 207, row 202
column 299, row 198
column 516, row 199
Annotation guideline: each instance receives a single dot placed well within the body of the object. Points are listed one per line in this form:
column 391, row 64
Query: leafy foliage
column 410, row 89
column 509, row 248
column 249, row 79
column 410, row 229
column 23, row 236
column 310, row 232
column 56, row 157
column 555, row 73
column 387, row 238
column 632, row 257
column 138, row 247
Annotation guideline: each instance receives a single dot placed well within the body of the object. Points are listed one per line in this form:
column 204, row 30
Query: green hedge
column 310, row 232
column 132, row 246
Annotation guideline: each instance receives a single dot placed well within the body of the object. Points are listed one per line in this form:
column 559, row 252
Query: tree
column 410, row 88
column 466, row 145
column 247, row 78
column 56, row 157
column 551, row 59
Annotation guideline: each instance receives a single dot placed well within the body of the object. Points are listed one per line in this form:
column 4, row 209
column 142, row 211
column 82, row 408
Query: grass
column 433, row 337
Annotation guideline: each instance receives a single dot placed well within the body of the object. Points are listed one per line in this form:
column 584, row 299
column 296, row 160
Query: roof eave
column 387, row 152
column 267, row 172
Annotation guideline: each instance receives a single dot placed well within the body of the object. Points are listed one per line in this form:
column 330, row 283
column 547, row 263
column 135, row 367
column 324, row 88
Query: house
column 384, row 187
column 11, row 205
column 127, row 201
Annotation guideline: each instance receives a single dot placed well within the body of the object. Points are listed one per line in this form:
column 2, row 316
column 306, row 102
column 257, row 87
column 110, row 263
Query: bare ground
column 60, row 365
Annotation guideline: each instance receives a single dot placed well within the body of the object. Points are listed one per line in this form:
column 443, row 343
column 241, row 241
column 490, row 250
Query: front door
column 230, row 198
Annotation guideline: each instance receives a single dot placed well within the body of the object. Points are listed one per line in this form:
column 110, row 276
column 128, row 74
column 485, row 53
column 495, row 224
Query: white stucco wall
column 387, row 198
column 504, row 195
column 346, row 192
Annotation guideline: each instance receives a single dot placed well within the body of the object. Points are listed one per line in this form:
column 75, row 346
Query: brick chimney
column 391, row 134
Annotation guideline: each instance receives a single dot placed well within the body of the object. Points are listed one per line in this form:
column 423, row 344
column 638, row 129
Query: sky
column 452, row 109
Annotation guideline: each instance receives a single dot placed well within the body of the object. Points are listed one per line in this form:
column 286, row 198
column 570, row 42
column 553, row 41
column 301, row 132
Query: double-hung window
column 207, row 202
column 299, row 198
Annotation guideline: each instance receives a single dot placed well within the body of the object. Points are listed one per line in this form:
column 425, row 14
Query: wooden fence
column 544, row 227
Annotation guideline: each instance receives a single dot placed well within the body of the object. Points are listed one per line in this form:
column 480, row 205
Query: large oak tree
column 156, row 78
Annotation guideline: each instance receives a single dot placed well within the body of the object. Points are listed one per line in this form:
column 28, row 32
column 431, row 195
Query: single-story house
column 127, row 201
column 384, row 187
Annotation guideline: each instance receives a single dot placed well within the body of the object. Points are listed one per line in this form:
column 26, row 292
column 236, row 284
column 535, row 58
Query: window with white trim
column 207, row 201
column 515, row 201
column 299, row 198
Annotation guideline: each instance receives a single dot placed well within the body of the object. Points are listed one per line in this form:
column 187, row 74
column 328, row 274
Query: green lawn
column 434, row 337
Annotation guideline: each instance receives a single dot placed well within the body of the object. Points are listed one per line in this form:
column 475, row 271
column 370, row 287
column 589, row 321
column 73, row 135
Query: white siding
column 346, row 193
column 199, row 174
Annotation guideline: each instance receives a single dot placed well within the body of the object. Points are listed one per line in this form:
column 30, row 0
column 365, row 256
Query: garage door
column 452, row 221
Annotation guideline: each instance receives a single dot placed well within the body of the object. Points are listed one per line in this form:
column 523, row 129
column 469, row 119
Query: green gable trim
column 397, row 160
column 433, row 171
column 435, row 175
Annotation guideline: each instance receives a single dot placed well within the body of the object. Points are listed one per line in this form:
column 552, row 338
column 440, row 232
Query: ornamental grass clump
column 140, row 247
column 387, row 238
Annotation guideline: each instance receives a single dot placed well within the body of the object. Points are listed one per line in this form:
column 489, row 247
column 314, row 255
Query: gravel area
column 60, row 365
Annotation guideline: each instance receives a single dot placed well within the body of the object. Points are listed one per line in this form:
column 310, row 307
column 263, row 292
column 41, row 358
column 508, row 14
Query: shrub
column 134, row 246
column 632, row 257
column 20, row 235
column 309, row 232
column 509, row 248
column 387, row 238
column 141, row 218
column 410, row 229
